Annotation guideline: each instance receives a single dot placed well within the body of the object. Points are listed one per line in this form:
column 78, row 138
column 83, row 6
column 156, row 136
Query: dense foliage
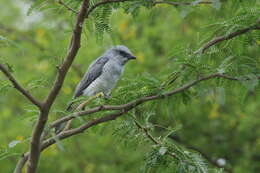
column 211, row 125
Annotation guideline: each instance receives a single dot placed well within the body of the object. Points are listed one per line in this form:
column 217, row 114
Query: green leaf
column 221, row 70
column 3, row 152
column 35, row 5
column 58, row 143
column 225, row 64
column 38, row 83
column 4, row 86
column 8, row 155
column 172, row 131
column 9, row 67
column 186, row 98
column 133, row 8
column 148, row 117
column 250, row 81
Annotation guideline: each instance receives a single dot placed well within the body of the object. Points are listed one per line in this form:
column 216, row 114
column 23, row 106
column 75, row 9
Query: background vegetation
column 213, row 124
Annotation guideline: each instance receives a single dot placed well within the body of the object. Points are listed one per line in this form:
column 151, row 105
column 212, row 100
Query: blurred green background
column 218, row 118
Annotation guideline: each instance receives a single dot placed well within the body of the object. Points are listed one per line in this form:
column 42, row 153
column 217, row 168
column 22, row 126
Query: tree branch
column 21, row 163
column 153, row 139
column 67, row 7
column 104, row 2
column 181, row 3
column 121, row 110
column 19, row 87
column 36, row 146
column 139, row 101
column 228, row 37
column 34, row 153
column 92, row 8
column 204, row 155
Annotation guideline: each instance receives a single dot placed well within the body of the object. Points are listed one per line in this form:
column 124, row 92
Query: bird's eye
column 122, row 53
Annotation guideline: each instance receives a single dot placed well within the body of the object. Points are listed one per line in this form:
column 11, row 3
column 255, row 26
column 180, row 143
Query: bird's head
column 121, row 53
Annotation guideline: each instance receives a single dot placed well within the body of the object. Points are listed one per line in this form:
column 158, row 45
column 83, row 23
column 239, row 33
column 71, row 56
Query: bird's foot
column 100, row 94
column 83, row 105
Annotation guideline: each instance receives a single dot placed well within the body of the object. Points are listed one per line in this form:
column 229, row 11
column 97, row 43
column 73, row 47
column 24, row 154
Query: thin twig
column 227, row 37
column 67, row 7
column 148, row 135
column 19, row 87
column 92, row 8
column 181, row 3
column 104, row 2
column 204, row 155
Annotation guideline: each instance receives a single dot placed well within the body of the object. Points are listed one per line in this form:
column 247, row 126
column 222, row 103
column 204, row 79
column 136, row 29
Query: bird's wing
column 94, row 71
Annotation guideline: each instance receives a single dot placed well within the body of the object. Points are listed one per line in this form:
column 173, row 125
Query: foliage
column 218, row 117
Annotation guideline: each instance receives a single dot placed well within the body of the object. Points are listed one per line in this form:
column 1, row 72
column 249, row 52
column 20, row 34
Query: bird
column 101, row 77
column 103, row 73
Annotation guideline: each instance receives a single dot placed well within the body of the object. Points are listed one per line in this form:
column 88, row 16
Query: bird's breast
column 106, row 81
column 111, row 73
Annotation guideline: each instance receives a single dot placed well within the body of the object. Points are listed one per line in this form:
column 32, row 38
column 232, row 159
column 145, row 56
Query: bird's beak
column 132, row 57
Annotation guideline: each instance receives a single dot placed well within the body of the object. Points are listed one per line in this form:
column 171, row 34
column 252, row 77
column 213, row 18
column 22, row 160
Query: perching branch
column 228, row 37
column 121, row 110
column 139, row 101
column 34, row 153
column 19, row 87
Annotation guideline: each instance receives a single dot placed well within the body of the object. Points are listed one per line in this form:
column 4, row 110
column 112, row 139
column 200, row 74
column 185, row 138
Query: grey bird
column 101, row 76
column 104, row 73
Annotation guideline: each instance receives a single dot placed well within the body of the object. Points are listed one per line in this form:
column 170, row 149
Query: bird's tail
column 61, row 127
column 69, row 107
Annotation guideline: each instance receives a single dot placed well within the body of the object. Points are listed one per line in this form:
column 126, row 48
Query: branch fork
column 37, row 145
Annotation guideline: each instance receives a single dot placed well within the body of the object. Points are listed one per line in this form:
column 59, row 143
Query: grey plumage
column 103, row 74
column 95, row 70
